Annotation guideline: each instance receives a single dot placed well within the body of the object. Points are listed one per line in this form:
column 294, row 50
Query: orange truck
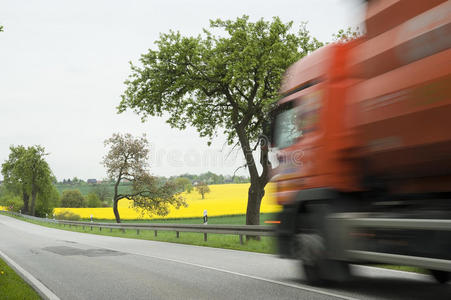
column 363, row 132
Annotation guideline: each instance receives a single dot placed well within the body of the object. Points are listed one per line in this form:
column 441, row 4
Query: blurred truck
column 363, row 132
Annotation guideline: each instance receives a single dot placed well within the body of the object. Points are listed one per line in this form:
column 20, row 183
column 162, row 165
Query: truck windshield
column 296, row 118
column 287, row 127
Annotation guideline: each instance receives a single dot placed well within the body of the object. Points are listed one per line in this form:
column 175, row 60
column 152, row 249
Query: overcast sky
column 63, row 64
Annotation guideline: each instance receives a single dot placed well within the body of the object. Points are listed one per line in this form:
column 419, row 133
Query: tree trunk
column 116, row 211
column 33, row 202
column 25, row 198
column 116, row 198
column 255, row 196
column 258, row 182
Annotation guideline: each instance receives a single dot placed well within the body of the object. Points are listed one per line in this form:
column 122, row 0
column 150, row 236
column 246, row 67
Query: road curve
column 85, row 266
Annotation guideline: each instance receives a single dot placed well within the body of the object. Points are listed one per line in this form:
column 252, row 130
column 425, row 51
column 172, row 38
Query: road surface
column 85, row 266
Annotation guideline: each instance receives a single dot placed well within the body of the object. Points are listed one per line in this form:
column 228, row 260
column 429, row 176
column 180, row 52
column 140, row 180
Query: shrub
column 67, row 215
column 93, row 200
column 72, row 198
column 12, row 203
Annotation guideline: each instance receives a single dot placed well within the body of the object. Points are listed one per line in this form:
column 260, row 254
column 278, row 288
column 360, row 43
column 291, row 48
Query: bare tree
column 127, row 160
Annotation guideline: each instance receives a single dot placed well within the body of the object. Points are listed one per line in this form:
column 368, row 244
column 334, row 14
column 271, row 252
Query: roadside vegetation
column 12, row 286
column 265, row 245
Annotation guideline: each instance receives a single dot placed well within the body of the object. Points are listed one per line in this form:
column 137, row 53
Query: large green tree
column 26, row 172
column 15, row 178
column 221, row 82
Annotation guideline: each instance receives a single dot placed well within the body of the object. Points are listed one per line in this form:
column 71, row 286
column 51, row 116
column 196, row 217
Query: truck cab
column 362, row 132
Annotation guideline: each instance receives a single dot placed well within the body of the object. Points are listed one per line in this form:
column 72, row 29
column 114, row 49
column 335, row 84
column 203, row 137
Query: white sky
column 63, row 64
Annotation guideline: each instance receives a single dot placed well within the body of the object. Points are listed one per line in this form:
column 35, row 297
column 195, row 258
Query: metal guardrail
column 241, row 230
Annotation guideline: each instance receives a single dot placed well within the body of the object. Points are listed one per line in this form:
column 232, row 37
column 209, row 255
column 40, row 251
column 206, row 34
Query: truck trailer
column 363, row 139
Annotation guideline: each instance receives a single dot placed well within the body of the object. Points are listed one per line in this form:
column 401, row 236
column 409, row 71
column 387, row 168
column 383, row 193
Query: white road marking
column 253, row 277
column 41, row 289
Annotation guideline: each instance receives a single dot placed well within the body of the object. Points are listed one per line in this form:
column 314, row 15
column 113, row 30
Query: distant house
column 92, row 181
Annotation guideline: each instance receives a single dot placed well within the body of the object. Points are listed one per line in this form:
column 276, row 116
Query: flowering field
column 224, row 199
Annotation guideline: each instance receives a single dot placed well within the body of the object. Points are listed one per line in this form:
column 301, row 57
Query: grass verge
column 403, row 268
column 12, row 286
column 264, row 245
column 223, row 220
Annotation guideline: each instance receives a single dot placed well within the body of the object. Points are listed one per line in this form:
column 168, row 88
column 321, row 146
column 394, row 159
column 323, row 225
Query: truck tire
column 317, row 269
column 310, row 250
column 441, row 276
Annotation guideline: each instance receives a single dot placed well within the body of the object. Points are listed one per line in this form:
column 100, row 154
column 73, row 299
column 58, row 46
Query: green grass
column 403, row 268
column 220, row 220
column 264, row 245
column 12, row 286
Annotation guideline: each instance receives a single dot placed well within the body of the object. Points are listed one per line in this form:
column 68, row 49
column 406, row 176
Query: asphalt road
column 84, row 266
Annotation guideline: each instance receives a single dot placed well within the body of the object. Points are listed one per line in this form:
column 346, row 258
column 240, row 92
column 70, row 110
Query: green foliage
column 211, row 81
column 1, row 28
column 11, row 201
column 67, row 215
column 346, row 35
column 26, row 173
column 105, row 191
column 225, row 82
column 92, row 200
column 47, row 200
column 202, row 189
column 183, row 184
column 212, row 178
column 72, row 198
column 153, row 198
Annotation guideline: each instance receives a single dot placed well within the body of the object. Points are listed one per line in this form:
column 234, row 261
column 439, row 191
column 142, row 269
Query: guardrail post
column 155, row 233
column 100, row 228
column 205, row 237
column 241, row 239
column 111, row 229
column 91, row 228
column 83, row 227
column 137, row 231
column 178, row 234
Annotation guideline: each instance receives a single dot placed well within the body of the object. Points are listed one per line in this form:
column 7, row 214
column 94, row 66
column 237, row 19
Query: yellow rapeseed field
column 224, row 199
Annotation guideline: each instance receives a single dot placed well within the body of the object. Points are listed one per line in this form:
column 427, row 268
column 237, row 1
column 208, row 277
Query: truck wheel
column 441, row 276
column 318, row 270
column 310, row 250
